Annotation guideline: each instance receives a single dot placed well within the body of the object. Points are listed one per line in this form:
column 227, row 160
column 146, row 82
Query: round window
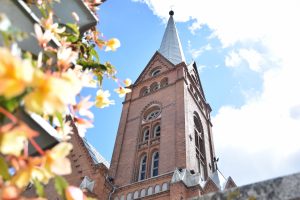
column 155, row 72
column 152, row 113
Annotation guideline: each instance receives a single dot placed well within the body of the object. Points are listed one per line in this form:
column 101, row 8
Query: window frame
column 154, row 169
column 155, row 72
column 155, row 113
column 145, row 130
column 155, row 132
column 143, row 162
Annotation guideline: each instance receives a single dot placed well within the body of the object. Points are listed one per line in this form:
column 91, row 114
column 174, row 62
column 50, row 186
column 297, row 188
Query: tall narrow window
column 146, row 134
column 143, row 164
column 199, row 145
column 155, row 161
column 156, row 130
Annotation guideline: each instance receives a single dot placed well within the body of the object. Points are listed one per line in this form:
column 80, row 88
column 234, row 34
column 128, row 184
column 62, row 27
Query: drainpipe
column 114, row 187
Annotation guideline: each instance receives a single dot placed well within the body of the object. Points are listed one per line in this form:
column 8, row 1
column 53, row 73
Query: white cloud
column 195, row 26
column 199, row 51
column 261, row 138
column 233, row 59
column 253, row 59
column 201, row 67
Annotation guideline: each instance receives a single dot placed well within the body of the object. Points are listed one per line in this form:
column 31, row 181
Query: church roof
column 218, row 178
column 96, row 156
column 170, row 46
column 193, row 179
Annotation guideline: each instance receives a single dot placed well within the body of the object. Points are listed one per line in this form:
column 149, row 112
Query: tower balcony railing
column 150, row 142
column 143, row 144
column 154, row 140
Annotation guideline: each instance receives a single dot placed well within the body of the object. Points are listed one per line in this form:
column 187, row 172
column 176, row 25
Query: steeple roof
column 170, row 46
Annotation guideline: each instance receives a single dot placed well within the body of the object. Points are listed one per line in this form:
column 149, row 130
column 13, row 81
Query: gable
column 210, row 186
column 157, row 63
column 193, row 71
column 230, row 183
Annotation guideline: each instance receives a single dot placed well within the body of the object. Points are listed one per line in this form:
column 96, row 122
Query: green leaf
column 91, row 64
column 72, row 33
column 94, row 53
column 60, row 185
column 60, row 119
column 4, row 172
column 100, row 79
column 39, row 188
column 72, row 38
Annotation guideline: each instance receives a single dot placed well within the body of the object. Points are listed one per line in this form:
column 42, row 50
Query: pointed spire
column 170, row 45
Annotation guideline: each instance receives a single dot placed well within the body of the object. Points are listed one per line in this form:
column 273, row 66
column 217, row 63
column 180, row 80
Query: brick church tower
column 164, row 146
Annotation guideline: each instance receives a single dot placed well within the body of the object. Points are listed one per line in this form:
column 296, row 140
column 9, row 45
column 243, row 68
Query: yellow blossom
column 49, row 25
column 112, row 44
column 15, row 75
column 12, row 142
column 122, row 91
column 52, row 94
column 22, row 177
column 102, row 99
column 74, row 193
column 13, row 138
column 127, row 82
column 56, row 161
column 30, row 171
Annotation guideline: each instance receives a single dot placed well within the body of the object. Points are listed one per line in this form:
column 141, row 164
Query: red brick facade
column 177, row 103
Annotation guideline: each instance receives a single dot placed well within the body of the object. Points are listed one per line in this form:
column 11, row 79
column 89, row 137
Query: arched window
column 143, row 164
column 152, row 113
column 164, row 82
column 144, row 91
column 157, row 189
column 129, row 196
column 199, row 145
column 150, row 191
column 146, row 134
column 165, row 187
column 136, row 195
column 155, row 72
column 156, row 130
column 154, row 87
column 155, row 162
column 143, row 192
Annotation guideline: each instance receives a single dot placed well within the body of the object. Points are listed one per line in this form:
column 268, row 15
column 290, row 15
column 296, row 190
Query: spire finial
column 171, row 13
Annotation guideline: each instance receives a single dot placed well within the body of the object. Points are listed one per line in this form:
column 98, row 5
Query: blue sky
column 248, row 66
